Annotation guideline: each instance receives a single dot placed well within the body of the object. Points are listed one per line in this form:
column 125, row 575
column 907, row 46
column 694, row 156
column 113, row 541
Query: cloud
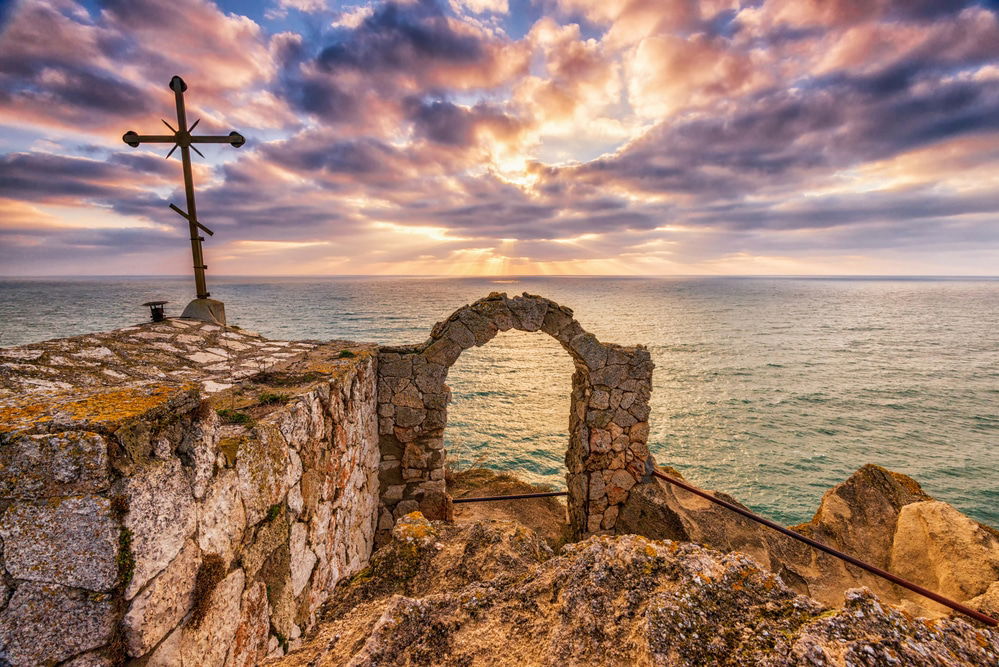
column 612, row 136
column 482, row 6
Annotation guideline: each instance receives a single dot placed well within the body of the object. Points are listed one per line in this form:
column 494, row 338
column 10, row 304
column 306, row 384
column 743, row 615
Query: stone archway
column 608, row 423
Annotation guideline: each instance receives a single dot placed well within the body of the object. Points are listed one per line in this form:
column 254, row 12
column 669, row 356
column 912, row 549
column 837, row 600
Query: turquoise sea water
column 771, row 389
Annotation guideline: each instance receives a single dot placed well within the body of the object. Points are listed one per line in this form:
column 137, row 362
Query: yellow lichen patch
column 120, row 404
column 413, row 527
column 19, row 416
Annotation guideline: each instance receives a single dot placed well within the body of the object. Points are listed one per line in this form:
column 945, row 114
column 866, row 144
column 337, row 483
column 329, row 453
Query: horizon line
column 508, row 276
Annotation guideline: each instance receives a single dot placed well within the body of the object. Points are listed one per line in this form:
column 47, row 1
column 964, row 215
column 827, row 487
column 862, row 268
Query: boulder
column 941, row 549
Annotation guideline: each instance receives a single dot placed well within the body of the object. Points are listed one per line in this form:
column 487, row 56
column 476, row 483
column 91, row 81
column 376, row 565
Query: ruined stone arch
column 607, row 451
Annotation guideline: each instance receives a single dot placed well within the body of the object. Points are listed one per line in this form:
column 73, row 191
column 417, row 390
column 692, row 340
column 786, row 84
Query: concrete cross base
column 206, row 310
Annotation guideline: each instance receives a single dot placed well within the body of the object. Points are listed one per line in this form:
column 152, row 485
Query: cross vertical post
column 177, row 84
column 202, row 307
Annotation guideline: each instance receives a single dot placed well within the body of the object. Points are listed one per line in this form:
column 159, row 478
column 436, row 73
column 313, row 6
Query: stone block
column 436, row 505
column 393, row 493
column 600, row 399
column 415, row 456
column 529, row 311
column 68, row 541
column 624, row 419
column 496, row 312
column 460, row 334
column 200, row 446
column 207, row 644
column 249, row 643
column 410, row 417
column 269, row 536
column 620, row 443
column 430, row 377
column 57, row 464
column 405, row 507
column 600, row 440
column 639, row 410
column 589, row 350
column 610, row 517
column 482, row 328
column 555, row 320
column 622, row 479
column 443, row 351
column 597, row 488
column 617, row 355
column 161, row 606
column 262, row 465
column 221, row 518
column 400, row 368
column 44, row 624
column 615, row 496
column 405, row 435
column 609, row 376
column 639, row 432
column 408, row 398
column 598, row 418
column 302, row 558
column 437, row 400
column 161, row 516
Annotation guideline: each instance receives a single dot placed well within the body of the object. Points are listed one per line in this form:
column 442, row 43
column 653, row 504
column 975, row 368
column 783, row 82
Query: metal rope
column 915, row 588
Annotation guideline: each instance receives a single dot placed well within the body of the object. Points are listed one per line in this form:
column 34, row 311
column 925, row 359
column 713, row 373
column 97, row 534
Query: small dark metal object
column 183, row 139
column 547, row 494
column 884, row 574
column 156, row 310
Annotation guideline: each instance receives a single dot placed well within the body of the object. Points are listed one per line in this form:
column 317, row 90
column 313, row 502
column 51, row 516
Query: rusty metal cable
column 884, row 574
column 546, row 494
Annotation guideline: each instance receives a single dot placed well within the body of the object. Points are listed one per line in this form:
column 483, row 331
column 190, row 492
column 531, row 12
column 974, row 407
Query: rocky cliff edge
column 494, row 593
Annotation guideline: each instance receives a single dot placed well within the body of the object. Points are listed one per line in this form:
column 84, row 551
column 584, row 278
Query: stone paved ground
column 173, row 350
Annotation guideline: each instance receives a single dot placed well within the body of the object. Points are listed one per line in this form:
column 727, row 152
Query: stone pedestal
column 206, row 310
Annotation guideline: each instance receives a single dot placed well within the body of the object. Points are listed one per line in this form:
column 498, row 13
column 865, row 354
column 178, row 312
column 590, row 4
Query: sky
column 505, row 137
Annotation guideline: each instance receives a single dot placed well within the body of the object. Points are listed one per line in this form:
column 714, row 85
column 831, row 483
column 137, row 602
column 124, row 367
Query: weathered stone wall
column 134, row 524
column 607, row 450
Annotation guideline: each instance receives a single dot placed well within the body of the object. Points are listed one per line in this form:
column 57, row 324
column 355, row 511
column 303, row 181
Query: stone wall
column 135, row 524
column 607, row 450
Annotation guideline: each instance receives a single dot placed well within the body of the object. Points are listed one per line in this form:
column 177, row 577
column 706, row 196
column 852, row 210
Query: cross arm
column 133, row 139
column 233, row 138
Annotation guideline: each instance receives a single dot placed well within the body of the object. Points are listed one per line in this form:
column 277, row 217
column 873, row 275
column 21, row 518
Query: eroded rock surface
column 494, row 593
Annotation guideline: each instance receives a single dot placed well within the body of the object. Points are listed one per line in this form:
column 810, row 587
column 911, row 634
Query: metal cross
column 183, row 138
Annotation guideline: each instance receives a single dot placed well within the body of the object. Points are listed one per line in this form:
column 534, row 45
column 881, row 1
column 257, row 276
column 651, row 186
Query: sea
column 769, row 389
